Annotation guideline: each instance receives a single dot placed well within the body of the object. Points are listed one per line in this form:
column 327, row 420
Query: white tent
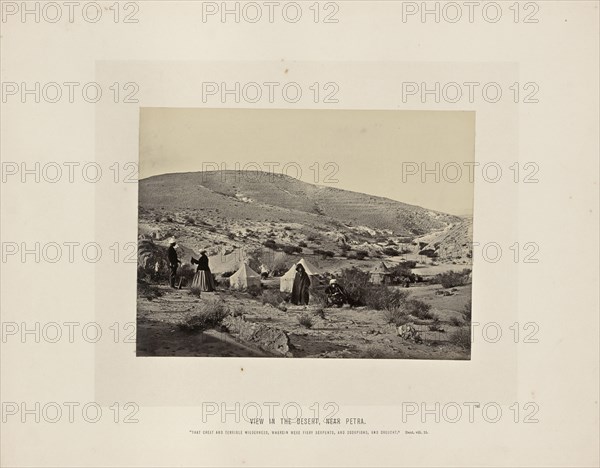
column 244, row 278
column 287, row 281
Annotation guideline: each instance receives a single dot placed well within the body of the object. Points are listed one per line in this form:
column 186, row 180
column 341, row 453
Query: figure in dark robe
column 300, row 288
column 203, row 278
column 173, row 262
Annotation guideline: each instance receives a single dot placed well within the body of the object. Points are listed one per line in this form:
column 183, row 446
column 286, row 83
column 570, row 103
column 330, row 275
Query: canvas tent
column 244, row 278
column 287, row 281
column 225, row 263
column 380, row 274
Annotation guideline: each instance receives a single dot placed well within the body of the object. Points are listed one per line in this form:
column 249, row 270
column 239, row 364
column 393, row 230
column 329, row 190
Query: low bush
column 396, row 316
column 391, row 252
column 419, row 309
column 361, row 254
column 375, row 352
column 384, row 298
column 451, row 279
column 273, row 298
column 148, row 291
column 305, row 320
column 186, row 272
column 356, row 284
column 209, row 315
column 291, row 250
column 462, row 337
column 254, row 290
column 467, row 311
column 324, row 253
column 456, row 321
column 318, row 297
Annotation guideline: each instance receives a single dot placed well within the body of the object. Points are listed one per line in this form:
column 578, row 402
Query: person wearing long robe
column 300, row 294
column 173, row 262
column 203, row 278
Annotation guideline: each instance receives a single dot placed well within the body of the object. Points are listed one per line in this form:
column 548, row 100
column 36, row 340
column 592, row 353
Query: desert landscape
column 406, row 271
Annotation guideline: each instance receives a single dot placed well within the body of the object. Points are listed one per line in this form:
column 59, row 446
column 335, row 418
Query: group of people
column 335, row 293
column 203, row 278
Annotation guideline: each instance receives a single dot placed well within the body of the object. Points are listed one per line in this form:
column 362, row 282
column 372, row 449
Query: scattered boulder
column 409, row 332
column 268, row 338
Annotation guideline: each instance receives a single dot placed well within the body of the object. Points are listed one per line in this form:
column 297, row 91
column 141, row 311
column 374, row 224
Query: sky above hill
column 409, row 156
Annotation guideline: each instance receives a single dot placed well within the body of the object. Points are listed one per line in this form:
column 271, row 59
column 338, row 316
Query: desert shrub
column 450, row 279
column 212, row 229
column 303, row 244
column 361, row 254
column 291, row 250
column 254, row 290
column 287, row 228
column 456, row 321
column 461, row 337
column 280, row 267
column 148, row 291
column 419, row 309
column 195, row 291
column 189, row 220
column 187, row 271
column 305, row 320
column 408, row 264
column 231, row 235
column 467, row 311
column 209, row 315
column 400, row 272
column 384, row 298
column 356, row 284
column 375, row 352
column 157, row 219
column 271, row 244
column 318, row 297
column 320, row 312
column 324, row 253
column 273, row 298
column 169, row 219
column 396, row 316
column 311, row 238
column 391, row 252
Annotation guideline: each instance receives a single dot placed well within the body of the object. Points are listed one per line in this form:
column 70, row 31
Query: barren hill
column 261, row 196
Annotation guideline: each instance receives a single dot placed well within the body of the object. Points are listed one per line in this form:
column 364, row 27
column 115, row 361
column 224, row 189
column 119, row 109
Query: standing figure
column 203, row 278
column 264, row 272
column 173, row 261
column 300, row 288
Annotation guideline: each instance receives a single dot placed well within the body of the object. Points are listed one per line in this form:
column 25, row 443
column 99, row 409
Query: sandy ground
column 343, row 333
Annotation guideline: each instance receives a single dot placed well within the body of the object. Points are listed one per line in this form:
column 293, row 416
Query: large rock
column 267, row 338
column 409, row 332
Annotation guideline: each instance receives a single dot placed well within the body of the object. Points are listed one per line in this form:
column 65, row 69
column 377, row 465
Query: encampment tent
column 287, row 281
column 380, row 274
column 244, row 278
column 226, row 263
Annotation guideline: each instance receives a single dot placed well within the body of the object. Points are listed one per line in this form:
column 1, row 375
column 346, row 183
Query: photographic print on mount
column 305, row 233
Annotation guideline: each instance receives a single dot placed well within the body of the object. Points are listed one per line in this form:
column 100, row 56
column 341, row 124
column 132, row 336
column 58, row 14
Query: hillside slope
column 267, row 197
